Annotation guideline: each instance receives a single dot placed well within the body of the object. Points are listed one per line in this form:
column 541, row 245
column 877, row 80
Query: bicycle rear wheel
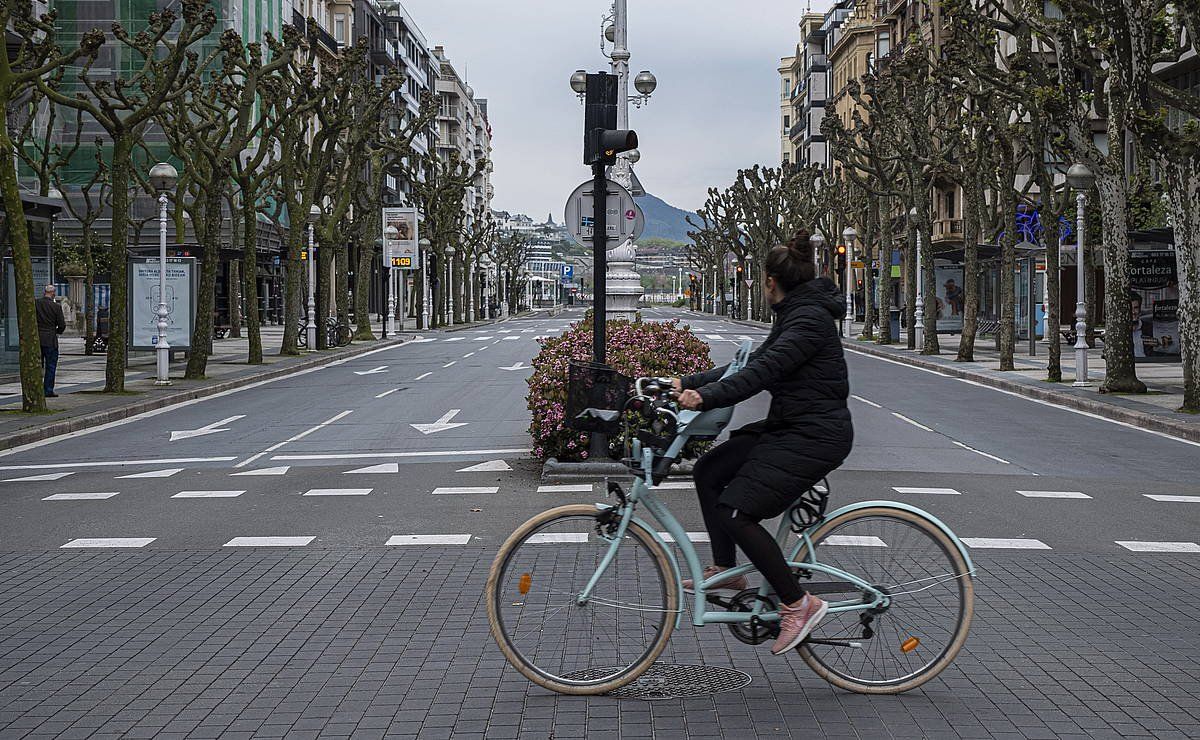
column 929, row 587
column 555, row 641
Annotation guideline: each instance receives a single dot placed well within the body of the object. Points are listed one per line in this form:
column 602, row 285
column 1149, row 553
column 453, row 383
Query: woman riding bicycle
column 765, row 467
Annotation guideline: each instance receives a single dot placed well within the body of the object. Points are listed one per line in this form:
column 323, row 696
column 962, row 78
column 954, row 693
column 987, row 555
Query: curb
column 78, row 423
column 1139, row 419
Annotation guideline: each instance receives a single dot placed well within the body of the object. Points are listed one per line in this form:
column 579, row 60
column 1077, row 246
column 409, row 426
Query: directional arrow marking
column 207, row 429
column 518, row 366
column 375, row 371
column 441, row 424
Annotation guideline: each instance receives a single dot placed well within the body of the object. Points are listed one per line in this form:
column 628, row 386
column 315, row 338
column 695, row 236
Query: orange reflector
column 907, row 646
column 526, row 582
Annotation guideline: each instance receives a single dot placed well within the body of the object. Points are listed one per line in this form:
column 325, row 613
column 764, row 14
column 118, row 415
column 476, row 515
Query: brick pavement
column 394, row 643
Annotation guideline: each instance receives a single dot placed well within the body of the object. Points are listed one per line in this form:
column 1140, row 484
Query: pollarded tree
column 512, row 250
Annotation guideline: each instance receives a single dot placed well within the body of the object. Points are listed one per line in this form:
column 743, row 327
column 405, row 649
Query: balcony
column 796, row 131
column 947, row 229
column 325, row 38
column 818, row 63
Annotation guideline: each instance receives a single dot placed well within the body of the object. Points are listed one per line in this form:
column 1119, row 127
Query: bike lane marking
column 294, row 438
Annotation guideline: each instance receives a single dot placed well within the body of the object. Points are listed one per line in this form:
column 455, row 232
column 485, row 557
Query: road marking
column 336, row 417
column 213, row 428
column 1173, row 499
column 1136, row 546
column 869, row 403
column 118, row 463
column 164, row 473
column 713, row 336
column 482, row 339
column 380, row 468
column 491, row 466
column 454, row 339
column 80, row 496
column 208, row 494
column 916, row 424
column 469, row 354
column 110, row 542
column 511, row 339
column 42, row 477
column 1056, row 494
column 441, row 424
column 693, row 536
column 979, row 543
column 571, row 488
column 448, row 364
column 338, row 491
column 675, row 485
column 387, row 393
column 384, row 455
column 518, row 366
column 373, row 371
column 429, row 539
column 422, row 376
column 942, row 491
column 853, row 540
column 269, row 541
column 420, row 340
column 504, row 331
column 466, row 489
column 980, row 452
column 547, row 538
column 280, row 470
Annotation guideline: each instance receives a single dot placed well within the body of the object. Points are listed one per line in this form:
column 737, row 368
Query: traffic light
column 602, row 140
column 605, row 144
column 841, row 257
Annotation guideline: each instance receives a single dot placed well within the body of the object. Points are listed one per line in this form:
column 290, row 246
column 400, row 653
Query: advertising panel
column 1154, row 305
column 143, row 302
column 402, row 252
column 950, row 298
column 41, row 278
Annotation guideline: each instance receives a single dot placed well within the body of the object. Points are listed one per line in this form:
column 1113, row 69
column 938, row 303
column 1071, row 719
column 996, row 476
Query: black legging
column 728, row 527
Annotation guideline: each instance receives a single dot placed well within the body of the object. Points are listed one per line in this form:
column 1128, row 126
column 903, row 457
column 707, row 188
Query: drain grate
column 670, row 681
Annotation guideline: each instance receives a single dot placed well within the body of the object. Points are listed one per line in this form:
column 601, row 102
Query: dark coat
column 50, row 321
column 807, row 432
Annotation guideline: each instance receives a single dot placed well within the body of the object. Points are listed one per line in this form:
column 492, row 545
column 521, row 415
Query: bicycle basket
column 592, row 385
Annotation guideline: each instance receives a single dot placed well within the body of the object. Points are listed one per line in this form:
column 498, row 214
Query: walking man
column 51, row 323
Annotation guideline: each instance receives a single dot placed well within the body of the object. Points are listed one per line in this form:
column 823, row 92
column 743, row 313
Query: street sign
column 625, row 217
column 858, row 264
column 568, row 272
column 749, row 283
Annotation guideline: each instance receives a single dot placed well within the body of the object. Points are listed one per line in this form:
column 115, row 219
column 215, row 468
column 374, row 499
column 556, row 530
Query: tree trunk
column 1120, row 375
column 250, row 275
column 341, row 276
column 1008, row 263
column 89, row 285
column 207, row 294
column 910, row 286
column 293, row 299
column 321, row 289
column 885, row 275
column 929, row 290
column 971, row 275
column 362, row 291
column 235, row 299
column 114, row 368
column 1053, row 291
column 1182, row 177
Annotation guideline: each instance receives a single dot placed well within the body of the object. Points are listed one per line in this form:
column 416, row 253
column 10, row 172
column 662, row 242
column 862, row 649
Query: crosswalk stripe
column 853, row 540
column 380, row 468
column 693, row 536
column 454, row 339
column 338, row 491
column 481, row 339
column 42, row 477
column 1173, row 499
column 429, row 539
column 1001, row 543
column 511, row 339
column 1136, row 546
column 940, row 491
column 166, row 473
column 278, row 470
column 1053, row 494
column 570, row 488
column 466, row 490
column 208, row 494
column 80, row 496
column 491, row 466
column 269, row 541
column 547, row 538
column 675, row 485
column 109, row 542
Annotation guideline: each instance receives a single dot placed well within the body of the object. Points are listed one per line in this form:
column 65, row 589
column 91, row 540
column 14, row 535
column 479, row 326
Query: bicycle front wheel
column 931, row 598
column 542, row 627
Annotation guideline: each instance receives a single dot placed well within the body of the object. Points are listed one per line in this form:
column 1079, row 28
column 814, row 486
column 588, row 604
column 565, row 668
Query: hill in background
column 664, row 220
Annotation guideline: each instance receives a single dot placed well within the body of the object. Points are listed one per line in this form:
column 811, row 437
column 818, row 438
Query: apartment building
column 804, row 85
column 462, row 127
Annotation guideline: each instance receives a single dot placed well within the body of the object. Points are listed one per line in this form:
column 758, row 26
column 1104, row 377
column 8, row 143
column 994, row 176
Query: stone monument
column 623, row 285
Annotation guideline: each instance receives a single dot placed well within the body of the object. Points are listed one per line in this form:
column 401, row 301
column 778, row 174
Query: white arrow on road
column 518, row 366
column 207, row 429
column 380, row 369
column 441, row 424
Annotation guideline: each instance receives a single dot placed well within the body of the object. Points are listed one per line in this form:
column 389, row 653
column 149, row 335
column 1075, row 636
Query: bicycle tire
column 966, row 606
column 302, row 337
column 344, row 335
column 543, row 677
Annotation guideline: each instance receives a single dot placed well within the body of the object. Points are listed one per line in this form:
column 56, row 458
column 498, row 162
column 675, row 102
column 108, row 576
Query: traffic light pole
column 599, row 259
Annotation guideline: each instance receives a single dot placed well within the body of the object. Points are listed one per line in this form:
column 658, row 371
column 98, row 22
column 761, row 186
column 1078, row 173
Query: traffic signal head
column 841, row 250
column 605, row 144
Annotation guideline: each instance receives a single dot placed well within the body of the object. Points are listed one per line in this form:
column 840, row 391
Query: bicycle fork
column 617, row 537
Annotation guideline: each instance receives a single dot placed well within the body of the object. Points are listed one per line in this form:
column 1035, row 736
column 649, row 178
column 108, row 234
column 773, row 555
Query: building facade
column 463, row 128
column 804, row 85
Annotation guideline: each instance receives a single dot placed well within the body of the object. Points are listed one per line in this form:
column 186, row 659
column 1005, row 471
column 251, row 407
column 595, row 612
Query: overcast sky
column 716, row 108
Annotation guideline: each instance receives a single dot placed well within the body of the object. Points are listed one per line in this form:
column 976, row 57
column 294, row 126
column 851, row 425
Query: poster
column 401, row 252
column 949, row 297
column 1154, row 305
column 41, row 278
column 143, row 302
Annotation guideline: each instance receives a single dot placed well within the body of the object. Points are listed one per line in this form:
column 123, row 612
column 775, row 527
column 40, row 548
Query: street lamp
column 579, row 83
column 848, row 236
column 1081, row 179
column 919, row 319
column 425, row 246
column 748, row 281
column 450, row 252
column 645, row 83
column 489, row 285
column 162, row 178
column 527, row 277
column 390, row 234
column 817, row 241
column 310, row 329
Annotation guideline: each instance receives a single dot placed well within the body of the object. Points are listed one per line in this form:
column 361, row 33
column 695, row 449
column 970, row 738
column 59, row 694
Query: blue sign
column 568, row 272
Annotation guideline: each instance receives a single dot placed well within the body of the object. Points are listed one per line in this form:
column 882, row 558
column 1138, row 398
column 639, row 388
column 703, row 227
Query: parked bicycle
column 593, row 613
column 337, row 334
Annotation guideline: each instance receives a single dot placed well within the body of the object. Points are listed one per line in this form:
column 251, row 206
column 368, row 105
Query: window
column 883, row 44
column 787, row 123
column 339, row 27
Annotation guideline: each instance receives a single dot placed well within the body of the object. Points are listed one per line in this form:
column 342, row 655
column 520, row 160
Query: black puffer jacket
column 807, row 432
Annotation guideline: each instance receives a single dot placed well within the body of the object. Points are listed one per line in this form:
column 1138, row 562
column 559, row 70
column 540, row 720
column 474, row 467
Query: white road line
column 208, row 494
column 280, row 470
column 448, row 364
column 1173, row 499
column 385, row 455
column 374, row 469
column 465, row 489
column 165, row 473
column 491, row 466
column 1054, row 494
column 713, row 336
column 454, row 339
column 336, row 417
column 980, row 452
column 118, row 463
column 387, row 393
column 916, row 424
column 35, row 478
column 675, row 485
column 482, row 339
column 469, row 354
column 940, row 491
column 429, row 539
column 981, row 543
column 569, row 488
column 549, row 538
column 269, row 541
column 1136, row 546
column 80, row 496
column 853, row 540
column 338, row 491
column 511, row 339
column 422, row 376
column 693, row 536
column 110, row 542
column 869, row 403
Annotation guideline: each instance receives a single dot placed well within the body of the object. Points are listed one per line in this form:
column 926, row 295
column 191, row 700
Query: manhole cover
column 669, row 681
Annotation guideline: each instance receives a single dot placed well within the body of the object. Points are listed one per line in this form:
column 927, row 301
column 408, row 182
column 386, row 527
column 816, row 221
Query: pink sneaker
column 796, row 622
column 733, row 585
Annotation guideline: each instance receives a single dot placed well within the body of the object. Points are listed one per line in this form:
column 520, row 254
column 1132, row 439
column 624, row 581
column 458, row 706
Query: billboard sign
column 402, row 252
column 949, row 297
column 143, row 302
column 1154, row 305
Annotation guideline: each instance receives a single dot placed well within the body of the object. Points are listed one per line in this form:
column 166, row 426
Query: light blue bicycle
column 592, row 613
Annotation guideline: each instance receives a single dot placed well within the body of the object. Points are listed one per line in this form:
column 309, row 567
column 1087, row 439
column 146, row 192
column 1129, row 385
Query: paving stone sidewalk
column 394, row 643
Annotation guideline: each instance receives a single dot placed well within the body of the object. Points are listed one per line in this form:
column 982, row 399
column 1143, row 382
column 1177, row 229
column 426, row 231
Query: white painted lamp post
column 489, row 285
column 450, row 252
column 747, row 281
column 1081, row 179
column 919, row 319
column 162, row 178
column 817, row 241
column 390, row 234
column 310, row 329
column 849, row 235
column 425, row 246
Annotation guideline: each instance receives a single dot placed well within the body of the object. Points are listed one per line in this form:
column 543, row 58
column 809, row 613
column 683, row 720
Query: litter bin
column 894, row 320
